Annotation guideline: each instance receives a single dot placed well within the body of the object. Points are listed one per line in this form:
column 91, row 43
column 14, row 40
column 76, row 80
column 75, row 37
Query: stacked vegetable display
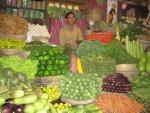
column 94, row 59
column 28, row 66
column 24, row 102
column 90, row 108
column 11, row 43
column 52, row 91
column 144, row 63
column 102, row 37
column 116, row 103
column 141, row 90
column 38, row 30
column 51, row 60
column 134, row 48
column 9, row 79
column 116, row 83
column 80, row 87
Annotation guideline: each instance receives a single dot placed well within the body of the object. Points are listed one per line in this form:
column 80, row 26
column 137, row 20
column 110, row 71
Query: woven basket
column 51, row 80
column 75, row 102
column 21, row 37
column 23, row 54
column 42, row 39
column 126, row 67
column 9, row 51
column 129, row 74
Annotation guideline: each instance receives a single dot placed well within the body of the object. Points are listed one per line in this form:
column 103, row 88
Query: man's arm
column 80, row 37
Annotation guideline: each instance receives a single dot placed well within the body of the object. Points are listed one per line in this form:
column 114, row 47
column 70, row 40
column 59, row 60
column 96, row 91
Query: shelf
column 14, row 7
column 27, row 9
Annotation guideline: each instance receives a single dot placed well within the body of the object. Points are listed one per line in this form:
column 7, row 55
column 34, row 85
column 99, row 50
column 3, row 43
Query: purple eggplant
column 7, row 108
column 18, row 109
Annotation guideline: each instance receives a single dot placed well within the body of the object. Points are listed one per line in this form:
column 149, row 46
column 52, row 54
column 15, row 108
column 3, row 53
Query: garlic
column 76, row 8
column 70, row 7
column 51, row 5
column 57, row 5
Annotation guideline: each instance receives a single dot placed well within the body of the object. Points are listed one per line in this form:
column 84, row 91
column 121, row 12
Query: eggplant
column 18, row 108
column 7, row 108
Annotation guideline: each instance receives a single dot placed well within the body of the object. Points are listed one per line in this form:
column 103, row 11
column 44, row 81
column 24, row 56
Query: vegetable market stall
column 91, row 79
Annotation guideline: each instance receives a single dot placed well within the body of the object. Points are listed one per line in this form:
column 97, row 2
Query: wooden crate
column 51, row 80
column 21, row 37
column 75, row 102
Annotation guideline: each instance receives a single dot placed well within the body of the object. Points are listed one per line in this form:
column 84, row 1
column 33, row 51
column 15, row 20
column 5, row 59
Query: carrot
column 116, row 103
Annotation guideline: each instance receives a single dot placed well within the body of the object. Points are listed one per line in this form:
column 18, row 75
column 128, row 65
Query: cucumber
column 2, row 100
column 29, row 109
column 42, row 111
column 16, row 93
column 26, row 99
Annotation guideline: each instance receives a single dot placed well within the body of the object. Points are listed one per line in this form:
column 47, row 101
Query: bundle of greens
column 111, row 51
column 28, row 67
column 132, row 31
column 90, row 47
column 98, row 63
column 116, row 50
column 141, row 90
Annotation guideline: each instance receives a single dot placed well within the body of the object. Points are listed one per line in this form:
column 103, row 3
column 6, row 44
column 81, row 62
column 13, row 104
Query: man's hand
column 78, row 42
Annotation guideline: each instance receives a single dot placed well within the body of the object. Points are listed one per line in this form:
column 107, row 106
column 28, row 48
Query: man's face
column 113, row 6
column 71, row 19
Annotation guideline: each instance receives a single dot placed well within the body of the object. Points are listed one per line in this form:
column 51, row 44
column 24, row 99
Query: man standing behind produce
column 70, row 35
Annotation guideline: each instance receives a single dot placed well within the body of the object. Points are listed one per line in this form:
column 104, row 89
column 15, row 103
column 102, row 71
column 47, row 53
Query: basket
column 51, row 80
column 23, row 54
column 21, row 37
column 75, row 102
column 129, row 74
column 9, row 51
column 41, row 38
column 126, row 67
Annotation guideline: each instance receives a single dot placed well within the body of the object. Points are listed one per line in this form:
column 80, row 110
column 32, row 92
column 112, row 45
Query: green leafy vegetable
column 28, row 67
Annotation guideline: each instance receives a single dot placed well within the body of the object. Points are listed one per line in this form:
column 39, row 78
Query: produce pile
column 98, row 63
column 132, row 31
column 28, row 67
column 52, row 91
column 102, row 37
column 13, row 25
column 141, row 90
column 116, row 83
column 134, row 48
column 116, row 103
column 38, row 30
column 11, row 43
column 90, row 108
column 113, row 49
column 60, row 107
column 79, row 87
column 144, row 63
column 116, row 50
column 51, row 60
column 9, row 79
column 23, row 101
